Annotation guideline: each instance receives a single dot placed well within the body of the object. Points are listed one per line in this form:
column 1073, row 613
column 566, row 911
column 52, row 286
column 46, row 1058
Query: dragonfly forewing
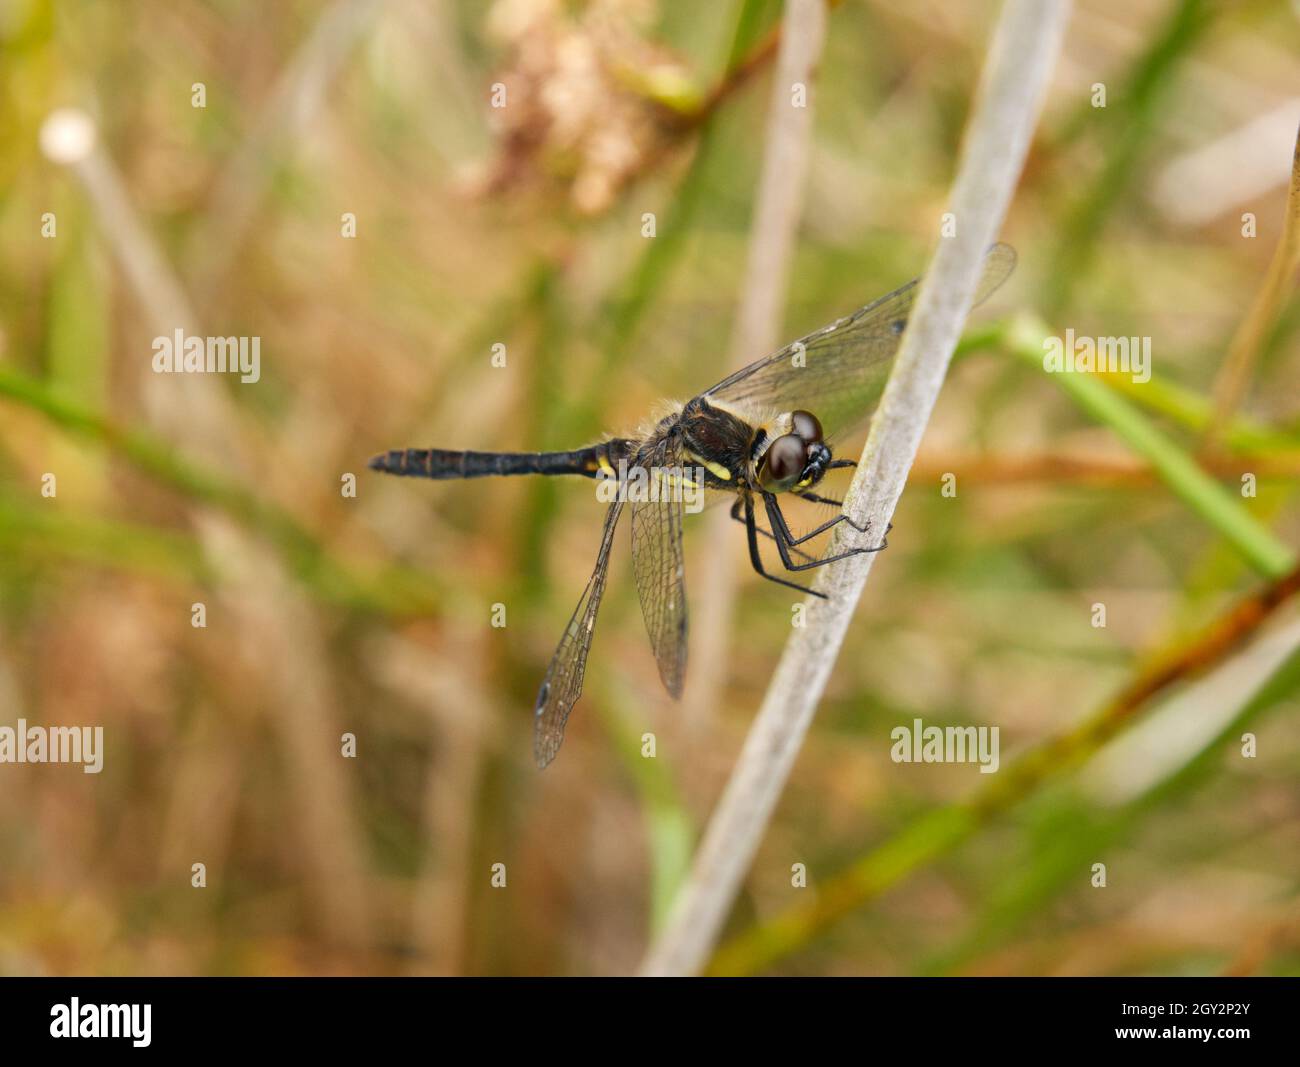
column 839, row 371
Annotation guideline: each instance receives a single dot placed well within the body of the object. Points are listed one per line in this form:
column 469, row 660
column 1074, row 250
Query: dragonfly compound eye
column 786, row 457
column 805, row 424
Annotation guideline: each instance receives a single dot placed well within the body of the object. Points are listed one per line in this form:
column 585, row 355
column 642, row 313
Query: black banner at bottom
column 339, row 1016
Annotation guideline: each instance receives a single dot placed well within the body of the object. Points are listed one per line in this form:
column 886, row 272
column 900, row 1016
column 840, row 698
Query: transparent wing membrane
column 839, row 371
column 657, row 562
column 563, row 682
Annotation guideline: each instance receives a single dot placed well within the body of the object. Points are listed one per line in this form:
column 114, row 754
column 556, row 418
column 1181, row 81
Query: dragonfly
column 764, row 432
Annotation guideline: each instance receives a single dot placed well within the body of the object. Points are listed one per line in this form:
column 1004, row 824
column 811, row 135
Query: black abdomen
column 442, row 464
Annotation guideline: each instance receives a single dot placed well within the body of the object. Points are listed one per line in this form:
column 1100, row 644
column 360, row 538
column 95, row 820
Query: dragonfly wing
column 658, row 562
column 839, row 371
column 563, row 682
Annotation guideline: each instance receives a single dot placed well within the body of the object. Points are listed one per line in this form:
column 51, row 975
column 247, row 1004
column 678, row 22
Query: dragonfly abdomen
column 442, row 464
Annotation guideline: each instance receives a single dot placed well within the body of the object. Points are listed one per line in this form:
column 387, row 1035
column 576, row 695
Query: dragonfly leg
column 774, row 517
column 837, row 504
column 777, row 518
column 840, row 464
column 736, row 513
column 756, row 560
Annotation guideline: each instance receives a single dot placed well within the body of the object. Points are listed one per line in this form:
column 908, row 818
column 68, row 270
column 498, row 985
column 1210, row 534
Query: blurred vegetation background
column 522, row 226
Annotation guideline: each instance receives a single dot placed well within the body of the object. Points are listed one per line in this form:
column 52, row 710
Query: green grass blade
column 1210, row 500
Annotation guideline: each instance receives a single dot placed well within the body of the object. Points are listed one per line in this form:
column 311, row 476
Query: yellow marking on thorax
column 716, row 469
column 671, row 477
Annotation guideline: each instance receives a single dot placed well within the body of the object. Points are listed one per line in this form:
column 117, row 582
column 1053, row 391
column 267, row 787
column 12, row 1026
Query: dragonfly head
column 797, row 459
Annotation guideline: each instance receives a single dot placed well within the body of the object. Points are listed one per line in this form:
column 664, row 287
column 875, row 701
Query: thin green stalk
column 1194, row 411
column 47, row 530
column 1181, row 405
column 1219, row 508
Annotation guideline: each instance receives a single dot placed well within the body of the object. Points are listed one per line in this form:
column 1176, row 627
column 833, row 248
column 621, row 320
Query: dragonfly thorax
column 796, row 457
